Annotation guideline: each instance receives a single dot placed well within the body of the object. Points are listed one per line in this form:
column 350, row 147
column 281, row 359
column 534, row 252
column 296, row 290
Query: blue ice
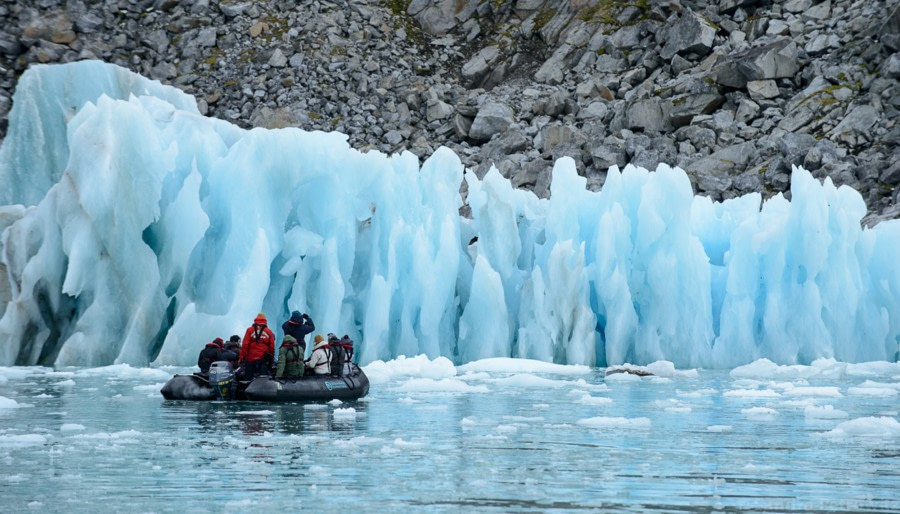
column 137, row 229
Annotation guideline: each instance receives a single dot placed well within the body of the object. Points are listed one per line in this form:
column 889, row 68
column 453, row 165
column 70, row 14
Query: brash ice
column 138, row 229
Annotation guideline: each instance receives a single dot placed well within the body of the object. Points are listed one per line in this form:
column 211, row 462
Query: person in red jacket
column 258, row 349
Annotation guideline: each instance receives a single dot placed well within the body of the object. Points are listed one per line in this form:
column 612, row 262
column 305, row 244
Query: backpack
column 337, row 358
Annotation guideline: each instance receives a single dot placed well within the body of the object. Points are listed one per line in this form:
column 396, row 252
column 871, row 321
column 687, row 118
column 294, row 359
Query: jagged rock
column 461, row 126
column 232, row 9
column 531, row 173
column 207, row 37
column 649, row 114
column 607, row 152
column 9, row 45
column 797, row 6
column 553, row 136
column 855, row 125
column 892, row 66
column 595, row 110
column 732, row 159
column 551, row 72
column 691, row 33
column 774, row 60
column 808, row 108
column 278, row 59
column 822, row 42
column 731, row 5
column 493, row 117
column 685, row 107
column 819, row 11
column 479, row 66
column 762, row 89
column 746, row 111
column 438, row 110
column 55, row 27
column 436, row 17
column 891, row 175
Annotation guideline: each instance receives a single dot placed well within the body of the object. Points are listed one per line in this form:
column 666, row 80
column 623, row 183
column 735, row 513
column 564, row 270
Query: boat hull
column 268, row 389
column 321, row 388
column 187, row 387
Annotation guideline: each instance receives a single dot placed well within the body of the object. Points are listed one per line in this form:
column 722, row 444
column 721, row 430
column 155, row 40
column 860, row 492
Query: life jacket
column 293, row 355
column 212, row 352
column 341, row 354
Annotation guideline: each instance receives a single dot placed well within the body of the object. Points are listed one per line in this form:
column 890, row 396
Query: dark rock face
column 734, row 91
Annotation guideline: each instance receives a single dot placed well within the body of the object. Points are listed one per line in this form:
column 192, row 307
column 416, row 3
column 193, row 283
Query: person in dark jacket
column 258, row 349
column 297, row 327
column 290, row 359
column 232, row 351
column 212, row 352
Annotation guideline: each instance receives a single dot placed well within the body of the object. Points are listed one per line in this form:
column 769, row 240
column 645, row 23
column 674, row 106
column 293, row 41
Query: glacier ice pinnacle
column 148, row 229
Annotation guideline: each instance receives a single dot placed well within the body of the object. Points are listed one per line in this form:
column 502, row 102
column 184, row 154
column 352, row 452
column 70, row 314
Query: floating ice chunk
column 150, row 387
column 698, row 393
column 824, row 412
column 523, row 381
column 125, row 435
column 622, row 377
column 420, row 366
column 68, row 382
column 751, row 393
column 347, row 413
column 509, row 365
column 254, row 413
column 8, row 403
column 71, row 427
column 410, row 445
column 868, row 427
column 603, row 422
column 125, row 371
column 764, row 368
column 825, row 391
column 759, row 413
column 876, row 368
column 335, row 402
column 873, row 391
column 21, row 440
column 446, row 385
column 594, row 400
column 667, row 369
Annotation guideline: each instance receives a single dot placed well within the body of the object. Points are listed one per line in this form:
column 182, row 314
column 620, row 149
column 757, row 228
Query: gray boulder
column 492, row 118
column 685, row 107
column 650, row 114
column 777, row 59
column 479, row 66
column 691, row 33
column 436, row 17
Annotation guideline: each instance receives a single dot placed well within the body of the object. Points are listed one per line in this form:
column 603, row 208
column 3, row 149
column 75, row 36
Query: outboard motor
column 221, row 379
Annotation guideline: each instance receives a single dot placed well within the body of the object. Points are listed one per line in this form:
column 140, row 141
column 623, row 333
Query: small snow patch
column 603, row 422
column 869, row 427
column 824, row 412
column 759, row 413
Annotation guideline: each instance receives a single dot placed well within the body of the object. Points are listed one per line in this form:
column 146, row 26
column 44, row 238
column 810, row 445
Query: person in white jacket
column 320, row 360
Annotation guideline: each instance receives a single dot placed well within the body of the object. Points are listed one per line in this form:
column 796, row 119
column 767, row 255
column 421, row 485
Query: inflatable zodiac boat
column 221, row 384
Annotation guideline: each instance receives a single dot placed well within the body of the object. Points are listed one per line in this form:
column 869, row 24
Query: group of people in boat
column 255, row 354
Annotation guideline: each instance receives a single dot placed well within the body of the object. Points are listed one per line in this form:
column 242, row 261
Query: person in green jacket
column 290, row 359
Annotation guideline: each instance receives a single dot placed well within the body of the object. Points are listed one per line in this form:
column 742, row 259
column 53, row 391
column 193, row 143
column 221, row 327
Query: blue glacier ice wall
column 162, row 229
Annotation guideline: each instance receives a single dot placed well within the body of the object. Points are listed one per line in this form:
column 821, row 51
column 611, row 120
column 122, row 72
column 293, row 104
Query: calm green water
column 88, row 440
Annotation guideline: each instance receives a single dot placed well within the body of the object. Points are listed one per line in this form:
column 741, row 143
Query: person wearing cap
column 212, row 352
column 232, row 350
column 297, row 327
column 290, row 359
column 320, row 360
column 258, row 349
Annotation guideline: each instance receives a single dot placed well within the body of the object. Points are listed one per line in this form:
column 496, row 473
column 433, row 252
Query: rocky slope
column 733, row 91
